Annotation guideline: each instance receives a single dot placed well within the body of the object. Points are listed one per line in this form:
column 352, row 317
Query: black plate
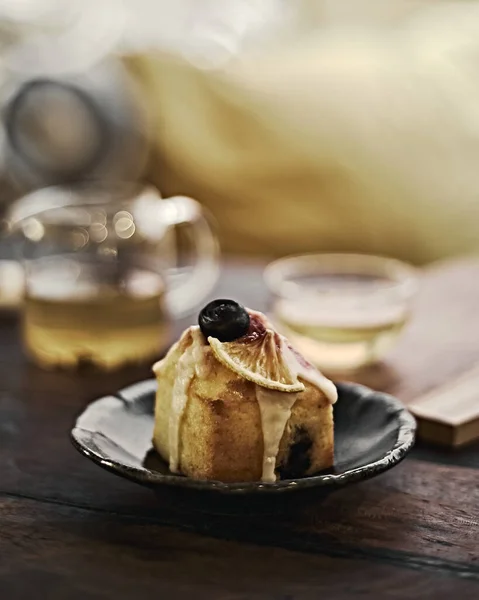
column 373, row 432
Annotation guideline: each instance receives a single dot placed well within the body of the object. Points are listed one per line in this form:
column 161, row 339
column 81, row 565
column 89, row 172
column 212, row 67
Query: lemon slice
column 258, row 359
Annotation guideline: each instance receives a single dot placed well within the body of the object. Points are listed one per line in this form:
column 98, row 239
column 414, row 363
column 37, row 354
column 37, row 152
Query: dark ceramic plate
column 373, row 432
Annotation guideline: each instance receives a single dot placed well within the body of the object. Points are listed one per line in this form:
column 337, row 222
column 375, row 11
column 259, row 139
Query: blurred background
column 296, row 127
column 326, row 125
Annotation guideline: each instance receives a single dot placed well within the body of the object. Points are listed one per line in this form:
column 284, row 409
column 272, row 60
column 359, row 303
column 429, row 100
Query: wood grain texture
column 60, row 552
column 412, row 532
column 389, row 518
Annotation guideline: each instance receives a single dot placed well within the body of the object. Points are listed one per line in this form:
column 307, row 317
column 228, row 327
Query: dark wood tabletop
column 69, row 530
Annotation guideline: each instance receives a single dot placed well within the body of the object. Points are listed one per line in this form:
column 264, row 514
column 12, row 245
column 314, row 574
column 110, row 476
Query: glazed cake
column 236, row 402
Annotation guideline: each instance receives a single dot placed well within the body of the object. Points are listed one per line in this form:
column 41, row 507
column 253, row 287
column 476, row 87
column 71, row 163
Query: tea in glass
column 342, row 311
column 70, row 317
column 104, row 276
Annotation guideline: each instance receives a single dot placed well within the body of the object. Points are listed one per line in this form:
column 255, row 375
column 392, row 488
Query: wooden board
column 449, row 415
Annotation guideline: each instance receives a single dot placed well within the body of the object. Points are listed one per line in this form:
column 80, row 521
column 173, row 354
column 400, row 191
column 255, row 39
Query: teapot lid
column 56, row 130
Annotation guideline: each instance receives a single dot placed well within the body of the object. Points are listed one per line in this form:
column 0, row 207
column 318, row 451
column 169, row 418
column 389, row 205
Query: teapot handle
column 189, row 280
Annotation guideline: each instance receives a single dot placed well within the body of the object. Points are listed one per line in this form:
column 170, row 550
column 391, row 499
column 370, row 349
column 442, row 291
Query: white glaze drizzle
column 310, row 374
column 189, row 364
column 275, row 410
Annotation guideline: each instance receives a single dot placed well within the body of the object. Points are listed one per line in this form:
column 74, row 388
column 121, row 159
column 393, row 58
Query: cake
column 236, row 403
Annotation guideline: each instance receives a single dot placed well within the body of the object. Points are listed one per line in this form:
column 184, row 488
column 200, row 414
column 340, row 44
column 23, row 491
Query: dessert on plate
column 236, row 402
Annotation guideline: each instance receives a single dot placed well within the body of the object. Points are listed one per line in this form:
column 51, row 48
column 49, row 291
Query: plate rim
column 406, row 434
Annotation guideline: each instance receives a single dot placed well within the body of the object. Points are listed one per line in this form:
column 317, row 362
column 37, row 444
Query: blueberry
column 225, row 320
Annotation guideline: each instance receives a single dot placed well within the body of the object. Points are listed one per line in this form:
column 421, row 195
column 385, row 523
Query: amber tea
column 71, row 317
column 338, row 340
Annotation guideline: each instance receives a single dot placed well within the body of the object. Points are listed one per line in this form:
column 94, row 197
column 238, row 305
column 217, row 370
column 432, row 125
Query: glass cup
column 342, row 311
column 106, row 270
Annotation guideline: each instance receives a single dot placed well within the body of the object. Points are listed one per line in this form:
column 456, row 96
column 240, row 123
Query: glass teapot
column 107, row 268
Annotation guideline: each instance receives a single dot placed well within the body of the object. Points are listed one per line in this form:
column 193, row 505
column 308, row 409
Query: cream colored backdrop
column 351, row 130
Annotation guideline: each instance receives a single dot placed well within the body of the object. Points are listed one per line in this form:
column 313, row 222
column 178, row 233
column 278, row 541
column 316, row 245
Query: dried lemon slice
column 259, row 359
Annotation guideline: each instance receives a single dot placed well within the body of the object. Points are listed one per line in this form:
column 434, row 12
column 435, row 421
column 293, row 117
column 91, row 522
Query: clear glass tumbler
column 343, row 311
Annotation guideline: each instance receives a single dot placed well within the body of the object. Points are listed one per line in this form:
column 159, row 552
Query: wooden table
column 71, row 531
